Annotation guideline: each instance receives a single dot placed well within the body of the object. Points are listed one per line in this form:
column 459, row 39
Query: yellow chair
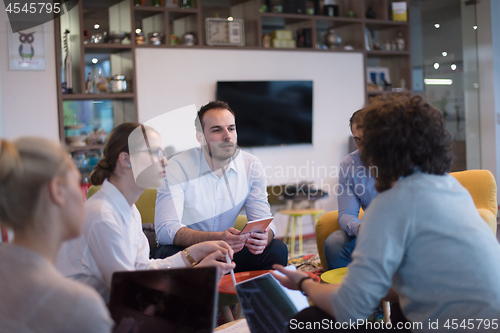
column 327, row 224
column 480, row 184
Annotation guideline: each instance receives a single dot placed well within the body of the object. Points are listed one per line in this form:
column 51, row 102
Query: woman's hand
column 214, row 259
column 291, row 278
column 203, row 249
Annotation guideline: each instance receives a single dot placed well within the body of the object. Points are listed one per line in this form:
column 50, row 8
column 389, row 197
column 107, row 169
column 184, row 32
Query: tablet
column 257, row 225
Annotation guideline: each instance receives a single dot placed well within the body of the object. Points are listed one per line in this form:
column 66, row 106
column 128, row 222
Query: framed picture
column 26, row 49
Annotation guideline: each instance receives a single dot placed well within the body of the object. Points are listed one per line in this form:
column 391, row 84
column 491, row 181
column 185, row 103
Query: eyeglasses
column 155, row 151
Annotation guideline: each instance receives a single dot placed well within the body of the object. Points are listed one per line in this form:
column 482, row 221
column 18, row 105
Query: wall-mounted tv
column 270, row 113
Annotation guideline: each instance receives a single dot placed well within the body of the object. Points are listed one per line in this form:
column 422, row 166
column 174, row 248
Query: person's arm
column 349, row 204
column 187, row 237
column 169, row 207
column 211, row 253
column 317, row 293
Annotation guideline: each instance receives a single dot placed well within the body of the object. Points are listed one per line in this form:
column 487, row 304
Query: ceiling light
column 453, row 67
column 475, row 85
column 474, row 27
column 438, row 82
column 96, row 26
column 229, row 18
column 437, row 25
column 94, row 60
column 444, row 54
column 436, row 65
column 138, row 31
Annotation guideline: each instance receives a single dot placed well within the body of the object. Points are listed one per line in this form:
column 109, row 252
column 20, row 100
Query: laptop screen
column 169, row 300
column 268, row 306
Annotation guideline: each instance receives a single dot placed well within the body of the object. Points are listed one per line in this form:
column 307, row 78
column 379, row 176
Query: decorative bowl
column 116, row 36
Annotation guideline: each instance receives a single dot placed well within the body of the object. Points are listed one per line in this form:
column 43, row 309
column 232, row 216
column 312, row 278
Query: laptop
column 167, row 300
column 267, row 305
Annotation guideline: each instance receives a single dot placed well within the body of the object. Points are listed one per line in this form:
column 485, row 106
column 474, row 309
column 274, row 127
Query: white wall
column 29, row 98
column 168, row 79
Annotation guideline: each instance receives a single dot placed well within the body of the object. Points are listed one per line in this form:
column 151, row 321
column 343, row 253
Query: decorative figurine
column 332, row 38
column 370, row 13
column 68, row 67
column 400, row 42
column 89, row 85
column 266, row 40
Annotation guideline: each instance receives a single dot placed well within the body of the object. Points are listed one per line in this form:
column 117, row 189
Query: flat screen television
column 270, row 113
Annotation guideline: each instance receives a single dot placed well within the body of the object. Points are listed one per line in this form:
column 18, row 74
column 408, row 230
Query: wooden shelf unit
column 179, row 21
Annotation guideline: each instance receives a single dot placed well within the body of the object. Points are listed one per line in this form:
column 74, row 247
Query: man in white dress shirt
column 207, row 187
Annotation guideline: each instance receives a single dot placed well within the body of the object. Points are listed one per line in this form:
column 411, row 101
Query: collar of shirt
column 205, row 168
column 117, row 199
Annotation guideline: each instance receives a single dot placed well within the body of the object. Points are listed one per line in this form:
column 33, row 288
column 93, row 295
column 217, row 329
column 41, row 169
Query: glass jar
column 81, row 162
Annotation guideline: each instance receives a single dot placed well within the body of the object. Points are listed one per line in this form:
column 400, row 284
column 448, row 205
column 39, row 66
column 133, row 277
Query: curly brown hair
column 401, row 133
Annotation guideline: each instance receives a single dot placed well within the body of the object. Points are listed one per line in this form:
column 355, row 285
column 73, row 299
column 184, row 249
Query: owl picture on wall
column 26, row 50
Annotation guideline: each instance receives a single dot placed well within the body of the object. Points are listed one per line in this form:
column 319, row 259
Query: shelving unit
column 123, row 15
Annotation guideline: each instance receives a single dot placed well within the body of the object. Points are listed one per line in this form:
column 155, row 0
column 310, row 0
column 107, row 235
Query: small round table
column 295, row 214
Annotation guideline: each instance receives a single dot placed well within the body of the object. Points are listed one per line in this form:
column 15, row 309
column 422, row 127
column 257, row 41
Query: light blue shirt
column 196, row 198
column 357, row 189
column 426, row 239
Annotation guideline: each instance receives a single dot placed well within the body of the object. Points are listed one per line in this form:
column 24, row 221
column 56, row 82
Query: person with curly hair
column 422, row 236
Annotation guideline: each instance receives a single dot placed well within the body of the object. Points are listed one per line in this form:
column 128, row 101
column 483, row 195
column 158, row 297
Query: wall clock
column 224, row 32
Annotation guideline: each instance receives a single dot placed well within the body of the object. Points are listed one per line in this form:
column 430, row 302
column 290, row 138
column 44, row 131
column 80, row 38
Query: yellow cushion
column 241, row 220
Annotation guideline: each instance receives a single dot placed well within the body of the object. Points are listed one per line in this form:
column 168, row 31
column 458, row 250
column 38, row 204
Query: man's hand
column 203, row 249
column 291, row 278
column 257, row 241
column 236, row 240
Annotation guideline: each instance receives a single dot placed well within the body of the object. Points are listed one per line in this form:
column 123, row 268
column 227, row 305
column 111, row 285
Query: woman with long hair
column 422, row 235
column 112, row 238
column 41, row 201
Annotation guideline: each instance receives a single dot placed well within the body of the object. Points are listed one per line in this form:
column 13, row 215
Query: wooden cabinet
column 359, row 34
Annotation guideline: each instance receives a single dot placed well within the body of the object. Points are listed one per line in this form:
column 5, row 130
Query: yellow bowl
column 334, row 276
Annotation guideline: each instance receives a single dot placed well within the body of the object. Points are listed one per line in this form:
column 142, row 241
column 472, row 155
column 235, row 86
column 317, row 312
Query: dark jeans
column 275, row 253
column 313, row 319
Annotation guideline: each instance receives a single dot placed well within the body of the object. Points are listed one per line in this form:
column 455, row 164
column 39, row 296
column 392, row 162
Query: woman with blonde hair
column 41, row 201
column 112, row 238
